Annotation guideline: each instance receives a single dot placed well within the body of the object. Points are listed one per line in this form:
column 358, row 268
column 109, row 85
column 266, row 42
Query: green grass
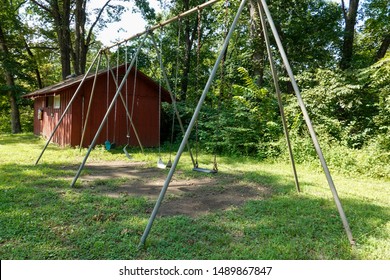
column 42, row 217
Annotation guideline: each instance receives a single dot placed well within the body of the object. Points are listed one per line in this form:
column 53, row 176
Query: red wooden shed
column 50, row 103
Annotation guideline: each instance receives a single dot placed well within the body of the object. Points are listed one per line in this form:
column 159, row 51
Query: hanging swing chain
column 197, row 85
column 134, row 91
column 135, row 86
column 117, row 83
column 108, row 92
column 176, row 85
column 159, row 94
column 127, row 100
column 222, row 87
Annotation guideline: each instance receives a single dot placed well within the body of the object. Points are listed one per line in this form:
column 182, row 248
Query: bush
column 369, row 161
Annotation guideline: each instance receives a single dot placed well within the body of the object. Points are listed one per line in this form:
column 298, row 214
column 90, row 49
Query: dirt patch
column 188, row 193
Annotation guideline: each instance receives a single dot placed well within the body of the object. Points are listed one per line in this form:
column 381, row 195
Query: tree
column 189, row 26
column 58, row 13
column 257, row 42
column 74, row 27
column 377, row 26
column 350, row 18
column 9, row 27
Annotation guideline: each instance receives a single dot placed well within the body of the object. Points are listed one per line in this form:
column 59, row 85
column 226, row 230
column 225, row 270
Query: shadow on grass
column 41, row 217
column 9, row 139
column 279, row 228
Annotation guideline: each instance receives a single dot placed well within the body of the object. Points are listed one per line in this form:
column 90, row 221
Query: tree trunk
column 82, row 38
column 349, row 33
column 15, row 114
column 383, row 48
column 80, row 48
column 60, row 12
column 36, row 69
column 258, row 44
column 187, row 54
column 64, row 39
column 8, row 76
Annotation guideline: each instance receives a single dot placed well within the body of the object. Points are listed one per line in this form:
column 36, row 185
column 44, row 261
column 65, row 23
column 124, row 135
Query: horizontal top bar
column 161, row 24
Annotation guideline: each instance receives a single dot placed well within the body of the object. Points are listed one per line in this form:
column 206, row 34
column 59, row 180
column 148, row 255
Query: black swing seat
column 205, row 170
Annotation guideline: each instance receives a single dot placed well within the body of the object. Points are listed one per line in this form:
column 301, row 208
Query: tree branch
column 383, row 48
column 344, row 10
column 45, row 8
column 88, row 39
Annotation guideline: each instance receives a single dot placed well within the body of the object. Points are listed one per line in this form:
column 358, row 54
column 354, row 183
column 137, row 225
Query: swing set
column 266, row 23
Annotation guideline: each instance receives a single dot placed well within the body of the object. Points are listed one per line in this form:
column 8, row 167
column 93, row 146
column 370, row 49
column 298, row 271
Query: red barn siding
column 50, row 118
column 145, row 116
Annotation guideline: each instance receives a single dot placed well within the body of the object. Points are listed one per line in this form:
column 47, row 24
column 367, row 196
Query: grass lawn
column 42, row 217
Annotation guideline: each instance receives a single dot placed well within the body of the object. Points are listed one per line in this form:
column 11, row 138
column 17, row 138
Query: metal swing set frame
column 266, row 22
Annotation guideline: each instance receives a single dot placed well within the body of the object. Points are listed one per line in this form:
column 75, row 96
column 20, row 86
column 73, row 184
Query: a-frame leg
column 278, row 94
column 308, row 123
column 90, row 102
column 118, row 92
column 164, row 73
column 127, row 112
column 190, row 127
column 67, row 107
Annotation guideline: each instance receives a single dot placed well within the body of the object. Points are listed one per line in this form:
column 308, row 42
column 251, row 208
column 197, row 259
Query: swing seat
column 160, row 164
column 126, row 152
column 107, row 144
column 169, row 164
column 205, row 170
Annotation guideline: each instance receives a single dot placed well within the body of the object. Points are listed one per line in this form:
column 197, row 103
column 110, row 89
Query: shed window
column 57, row 102
column 49, row 101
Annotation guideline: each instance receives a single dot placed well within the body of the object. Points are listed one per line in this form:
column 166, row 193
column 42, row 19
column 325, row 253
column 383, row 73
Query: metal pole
column 191, row 125
column 67, row 107
column 278, row 94
column 107, row 113
column 127, row 111
column 172, row 98
column 151, row 29
column 309, row 125
column 90, row 102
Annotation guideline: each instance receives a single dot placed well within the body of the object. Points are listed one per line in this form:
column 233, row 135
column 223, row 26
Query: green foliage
column 26, row 119
column 377, row 81
column 310, row 31
column 246, row 124
column 340, row 106
column 375, row 14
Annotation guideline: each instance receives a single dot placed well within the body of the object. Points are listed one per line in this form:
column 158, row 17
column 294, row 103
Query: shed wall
column 50, row 117
column 145, row 114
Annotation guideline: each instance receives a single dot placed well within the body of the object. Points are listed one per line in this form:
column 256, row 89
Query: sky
column 131, row 23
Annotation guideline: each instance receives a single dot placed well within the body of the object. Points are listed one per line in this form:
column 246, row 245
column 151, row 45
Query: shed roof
column 51, row 90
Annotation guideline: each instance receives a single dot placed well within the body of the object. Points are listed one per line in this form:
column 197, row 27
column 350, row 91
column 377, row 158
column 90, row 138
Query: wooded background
column 338, row 51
